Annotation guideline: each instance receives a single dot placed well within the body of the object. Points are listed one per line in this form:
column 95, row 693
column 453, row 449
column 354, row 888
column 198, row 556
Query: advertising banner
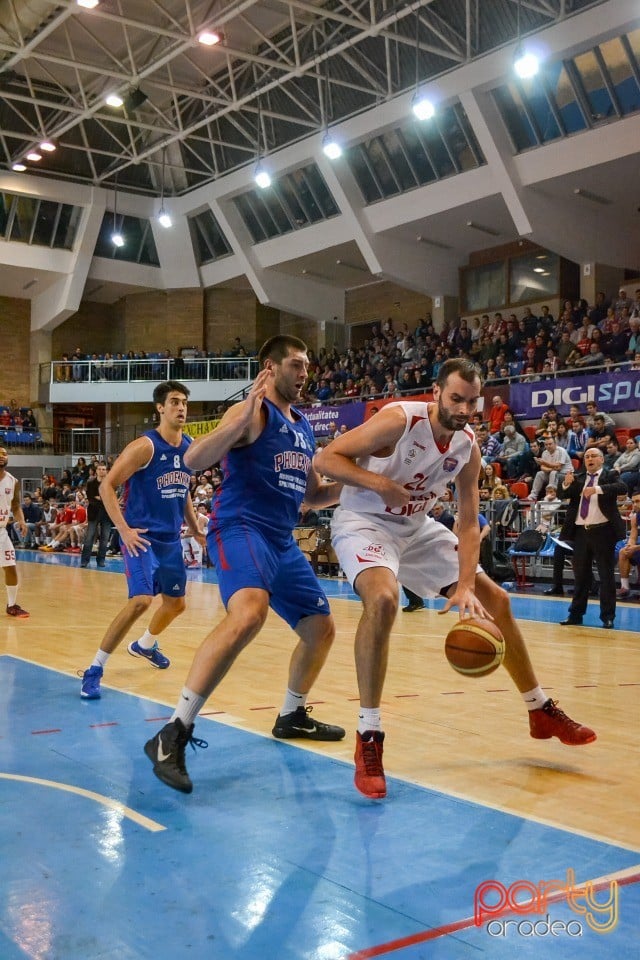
column 613, row 392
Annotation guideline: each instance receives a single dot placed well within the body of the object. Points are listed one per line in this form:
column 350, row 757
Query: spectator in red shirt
column 496, row 414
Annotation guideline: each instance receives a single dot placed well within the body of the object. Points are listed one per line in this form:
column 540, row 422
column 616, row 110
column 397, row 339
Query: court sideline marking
column 109, row 802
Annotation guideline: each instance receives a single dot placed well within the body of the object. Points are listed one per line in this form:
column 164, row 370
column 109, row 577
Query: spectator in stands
column 592, row 411
column 628, row 551
column 600, row 434
column 32, row 517
column 599, row 311
column 562, row 435
column 78, row 369
column 594, row 358
column 578, row 438
column 496, row 414
column 489, row 445
column 612, row 452
column 510, row 454
column 554, row 463
column 29, row 424
column 487, row 481
column 79, row 473
column 627, row 465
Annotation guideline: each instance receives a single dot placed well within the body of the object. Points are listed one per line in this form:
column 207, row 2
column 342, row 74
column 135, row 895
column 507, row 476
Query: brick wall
column 377, row 301
column 229, row 314
column 95, row 328
column 15, row 326
column 163, row 320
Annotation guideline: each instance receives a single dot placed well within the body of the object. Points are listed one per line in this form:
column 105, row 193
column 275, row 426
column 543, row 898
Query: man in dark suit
column 593, row 495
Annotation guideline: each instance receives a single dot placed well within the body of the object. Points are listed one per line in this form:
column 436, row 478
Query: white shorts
column 7, row 551
column 423, row 557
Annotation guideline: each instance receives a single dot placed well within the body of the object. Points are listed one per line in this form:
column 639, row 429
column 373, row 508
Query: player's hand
column 200, row 538
column 133, row 541
column 467, row 603
column 257, row 392
column 22, row 527
column 393, row 494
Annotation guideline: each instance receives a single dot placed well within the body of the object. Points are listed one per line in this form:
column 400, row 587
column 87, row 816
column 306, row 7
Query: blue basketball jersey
column 264, row 482
column 155, row 496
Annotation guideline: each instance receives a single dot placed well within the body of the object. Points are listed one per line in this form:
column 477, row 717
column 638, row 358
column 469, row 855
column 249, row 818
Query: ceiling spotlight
column 88, row 4
column 525, row 64
column 209, row 38
column 47, row 146
column 34, row 157
column 18, row 167
column 422, row 107
column 164, row 219
column 331, row 148
column 538, row 269
column 113, row 100
column 261, row 177
column 117, row 240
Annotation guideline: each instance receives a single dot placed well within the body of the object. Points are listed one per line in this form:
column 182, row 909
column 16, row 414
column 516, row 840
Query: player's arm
column 16, row 510
column 134, row 457
column 191, row 520
column 468, row 540
column 319, row 494
column 377, row 436
column 240, row 425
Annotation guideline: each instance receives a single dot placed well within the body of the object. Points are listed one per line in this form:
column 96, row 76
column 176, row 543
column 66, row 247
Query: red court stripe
column 114, row 723
column 262, row 708
column 447, row 928
column 53, row 730
column 155, row 719
column 402, row 696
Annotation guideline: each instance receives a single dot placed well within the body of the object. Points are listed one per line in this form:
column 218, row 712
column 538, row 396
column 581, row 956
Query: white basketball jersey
column 417, row 462
column 7, row 488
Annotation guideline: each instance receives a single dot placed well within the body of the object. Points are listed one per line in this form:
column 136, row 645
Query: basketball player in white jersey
column 394, row 467
column 10, row 504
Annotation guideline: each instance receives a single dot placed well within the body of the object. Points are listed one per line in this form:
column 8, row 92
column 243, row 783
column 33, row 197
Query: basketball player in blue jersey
column 265, row 446
column 156, row 502
column 394, row 467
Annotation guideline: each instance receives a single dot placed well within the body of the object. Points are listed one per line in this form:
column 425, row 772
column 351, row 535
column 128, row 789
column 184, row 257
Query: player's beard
column 448, row 421
column 289, row 393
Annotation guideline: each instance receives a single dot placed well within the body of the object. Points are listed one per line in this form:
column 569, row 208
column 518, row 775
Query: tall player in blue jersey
column 265, row 445
column 155, row 504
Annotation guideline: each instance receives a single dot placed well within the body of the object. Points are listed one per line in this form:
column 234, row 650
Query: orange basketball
column 474, row 647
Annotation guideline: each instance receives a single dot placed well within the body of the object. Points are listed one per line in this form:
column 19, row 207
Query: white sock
column 535, row 698
column 188, row 707
column 147, row 640
column 624, row 583
column 292, row 701
column 12, row 594
column 100, row 659
column 369, row 719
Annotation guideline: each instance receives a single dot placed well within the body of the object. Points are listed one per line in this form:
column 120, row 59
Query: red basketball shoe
column 550, row 721
column 15, row 611
column 369, row 775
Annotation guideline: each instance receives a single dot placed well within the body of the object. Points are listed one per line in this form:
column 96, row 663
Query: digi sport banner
column 613, row 392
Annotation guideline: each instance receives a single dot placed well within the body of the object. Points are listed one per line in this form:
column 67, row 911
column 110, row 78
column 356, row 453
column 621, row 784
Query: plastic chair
column 521, row 559
column 520, row 490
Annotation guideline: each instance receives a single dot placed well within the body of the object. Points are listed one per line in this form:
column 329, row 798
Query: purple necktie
column 584, row 506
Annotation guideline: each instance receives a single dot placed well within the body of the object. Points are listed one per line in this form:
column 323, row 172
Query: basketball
column 474, row 647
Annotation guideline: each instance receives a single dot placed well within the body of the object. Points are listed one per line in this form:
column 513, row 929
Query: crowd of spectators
column 400, row 362
column 80, row 366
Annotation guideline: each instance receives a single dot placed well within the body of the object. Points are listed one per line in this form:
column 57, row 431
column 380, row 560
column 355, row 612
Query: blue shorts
column 159, row 570
column 635, row 559
column 243, row 558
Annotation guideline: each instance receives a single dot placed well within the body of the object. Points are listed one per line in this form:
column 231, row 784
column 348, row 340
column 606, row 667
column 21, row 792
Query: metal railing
column 151, row 369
